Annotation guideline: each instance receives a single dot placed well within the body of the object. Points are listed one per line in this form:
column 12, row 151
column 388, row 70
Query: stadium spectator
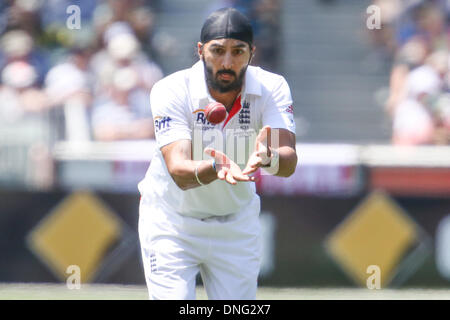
column 137, row 14
column 442, row 132
column 71, row 77
column 123, row 49
column 23, row 15
column 267, row 26
column 18, row 45
column 124, row 77
column 415, row 120
column 408, row 57
column 384, row 39
column 68, row 86
column 122, row 112
column 20, row 98
column 415, row 34
column 23, row 115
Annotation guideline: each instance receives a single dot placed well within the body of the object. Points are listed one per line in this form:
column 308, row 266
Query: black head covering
column 227, row 23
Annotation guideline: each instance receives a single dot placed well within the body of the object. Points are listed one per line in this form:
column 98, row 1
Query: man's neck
column 226, row 98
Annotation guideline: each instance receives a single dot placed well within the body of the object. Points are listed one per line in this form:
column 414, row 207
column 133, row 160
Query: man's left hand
column 262, row 154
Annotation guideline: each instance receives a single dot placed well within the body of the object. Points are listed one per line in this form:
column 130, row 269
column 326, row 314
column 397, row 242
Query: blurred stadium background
column 369, row 204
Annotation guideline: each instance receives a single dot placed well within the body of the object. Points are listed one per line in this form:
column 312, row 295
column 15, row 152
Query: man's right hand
column 227, row 169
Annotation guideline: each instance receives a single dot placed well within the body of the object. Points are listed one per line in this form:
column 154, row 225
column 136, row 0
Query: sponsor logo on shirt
column 200, row 119
column 162, row 123
column 290, row 109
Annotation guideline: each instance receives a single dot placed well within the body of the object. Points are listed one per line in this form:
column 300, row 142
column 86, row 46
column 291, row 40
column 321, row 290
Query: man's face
column 225, row 62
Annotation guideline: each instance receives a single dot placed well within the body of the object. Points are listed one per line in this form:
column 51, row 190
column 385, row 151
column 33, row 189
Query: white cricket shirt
column 178, row 103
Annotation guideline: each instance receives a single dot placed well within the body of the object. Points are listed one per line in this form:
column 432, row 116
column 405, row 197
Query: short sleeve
column 170, row 117
column 278, row 110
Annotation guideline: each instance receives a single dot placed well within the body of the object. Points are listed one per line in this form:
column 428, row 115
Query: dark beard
column 217, row 85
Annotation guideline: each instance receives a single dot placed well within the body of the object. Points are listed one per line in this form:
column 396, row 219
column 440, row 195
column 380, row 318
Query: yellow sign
column 79, row 231
column 378, row 233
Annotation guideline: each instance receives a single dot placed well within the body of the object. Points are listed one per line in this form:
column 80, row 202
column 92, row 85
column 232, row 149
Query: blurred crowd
column 93, row 82
column 415, row 34
column 89, row 82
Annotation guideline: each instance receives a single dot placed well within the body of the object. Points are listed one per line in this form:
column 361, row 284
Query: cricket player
column 199, row 208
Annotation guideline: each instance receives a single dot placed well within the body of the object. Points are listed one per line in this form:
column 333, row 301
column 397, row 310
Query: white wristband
column 274, row 162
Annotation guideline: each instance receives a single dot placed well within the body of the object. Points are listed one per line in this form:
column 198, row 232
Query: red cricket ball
column 215, row 112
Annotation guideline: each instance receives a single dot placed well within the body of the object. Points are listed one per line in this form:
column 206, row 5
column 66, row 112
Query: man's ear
column 199, row 49
column 252, row 53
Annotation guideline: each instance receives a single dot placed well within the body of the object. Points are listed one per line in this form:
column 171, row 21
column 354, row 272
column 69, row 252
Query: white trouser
column 225, row 250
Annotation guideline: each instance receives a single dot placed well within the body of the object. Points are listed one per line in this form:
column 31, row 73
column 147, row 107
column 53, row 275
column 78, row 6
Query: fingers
column 226, row 168
column 225, row 174
column 219, row 156
column 263, row 134
column 234, row 177
column 252, row 165
column 230, row 179
column 209, row 151
column 212, row 152
column 241, row 177
column 249, row 170
column 255, row 161
column 246, row 176
column 222, row 173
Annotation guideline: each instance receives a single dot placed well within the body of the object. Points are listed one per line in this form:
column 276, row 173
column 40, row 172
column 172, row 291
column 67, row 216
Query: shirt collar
column 199, row 89
column 252, row 85
column 197, row 84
